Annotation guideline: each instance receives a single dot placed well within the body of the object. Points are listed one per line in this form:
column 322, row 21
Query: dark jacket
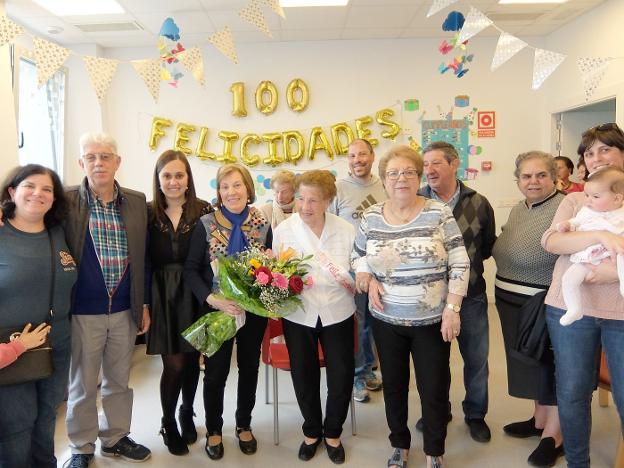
column 475, row 218
column 532, row 338
column 134, row 215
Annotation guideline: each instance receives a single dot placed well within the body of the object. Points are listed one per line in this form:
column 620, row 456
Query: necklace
column 411, row 212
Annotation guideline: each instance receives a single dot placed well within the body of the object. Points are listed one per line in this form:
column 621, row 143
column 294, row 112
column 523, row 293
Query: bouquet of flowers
column 259, row 283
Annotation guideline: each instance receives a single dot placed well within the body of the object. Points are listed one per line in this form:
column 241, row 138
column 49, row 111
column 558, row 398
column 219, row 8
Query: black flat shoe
column 479, row 430
column 306, row 452
column 215, row 452
column 523, row 429
column 172, row 438
column 248, row 447
column 546, row 453
column 187, row 426
column 335, row 454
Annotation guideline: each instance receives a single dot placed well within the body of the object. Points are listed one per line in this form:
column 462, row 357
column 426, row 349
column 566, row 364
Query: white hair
column 91, row 138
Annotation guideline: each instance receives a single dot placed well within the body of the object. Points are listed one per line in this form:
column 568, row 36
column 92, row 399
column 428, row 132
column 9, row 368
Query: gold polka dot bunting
column 192, row 60
column 253, row 14
column 276, row 7
column 49, row 58
column 149, row 71
column 8, row 30
column 224, row 42
column 101, row 71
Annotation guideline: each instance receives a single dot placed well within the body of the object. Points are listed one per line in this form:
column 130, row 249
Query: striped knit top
column 418, row 263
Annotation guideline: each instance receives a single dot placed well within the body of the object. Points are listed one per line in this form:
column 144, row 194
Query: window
column 40, row 114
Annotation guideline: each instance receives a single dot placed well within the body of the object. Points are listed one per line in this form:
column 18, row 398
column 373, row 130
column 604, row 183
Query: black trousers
column 337, row 344
column 248, row 341
column 430, row 355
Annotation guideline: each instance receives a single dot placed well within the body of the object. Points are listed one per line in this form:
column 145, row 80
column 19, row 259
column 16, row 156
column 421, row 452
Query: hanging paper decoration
column 592, row 71
column 475, row 23
column 507, row 47
column 224, row 41
column 253, row 14
column 169, row 47
column 276, row 7
column 544, row 63
column 49, row 58
column 438, row 5
column 8, row 30
column 101, row 71
column 149, row 71
column 454, row 22
column 192, row 60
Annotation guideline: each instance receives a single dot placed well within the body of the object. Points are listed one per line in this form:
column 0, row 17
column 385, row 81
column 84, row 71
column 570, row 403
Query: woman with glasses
column 524, row 269
column 409, row 256
column 577, row 346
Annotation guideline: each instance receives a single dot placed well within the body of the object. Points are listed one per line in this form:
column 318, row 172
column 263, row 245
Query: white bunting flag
column 49, row 57
column 149, row 71
column 438, row 5
column 8, row 30
column 101, row 71
column 474, row 24
column 544, row 63
column 507, row 47
column 253, row 14
column 224, row 41
column 592, row 72
column 192, row 60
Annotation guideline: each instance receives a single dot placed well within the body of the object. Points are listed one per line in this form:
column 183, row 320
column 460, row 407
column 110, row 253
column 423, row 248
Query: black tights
column 180, row 372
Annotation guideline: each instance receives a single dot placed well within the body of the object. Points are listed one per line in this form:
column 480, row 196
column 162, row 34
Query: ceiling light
column 312, row 3
column 526, row 2
column 81, row 7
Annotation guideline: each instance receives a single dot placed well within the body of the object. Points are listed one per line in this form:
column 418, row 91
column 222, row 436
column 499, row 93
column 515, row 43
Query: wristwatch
column 454, row 307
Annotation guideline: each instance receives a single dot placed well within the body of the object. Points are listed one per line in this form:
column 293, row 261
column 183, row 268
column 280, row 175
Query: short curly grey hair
column 92, row 138
column 547, row 158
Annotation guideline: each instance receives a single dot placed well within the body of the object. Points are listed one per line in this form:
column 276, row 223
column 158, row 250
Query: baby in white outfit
column 603, row 211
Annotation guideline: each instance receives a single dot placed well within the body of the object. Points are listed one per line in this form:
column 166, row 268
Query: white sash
column 335, row 271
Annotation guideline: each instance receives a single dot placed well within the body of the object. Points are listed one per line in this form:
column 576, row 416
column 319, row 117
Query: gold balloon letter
column 382, row 120
column 249, row 159
column 157, row 131
column 238, row 94
column 182, row 138
column 341, row 129
column 363, row 132
column 200, row 151
column 288, row 137
column 266, row 87
column 228, row 138
column 272, row 139
column 317, row 133
column 301, row 104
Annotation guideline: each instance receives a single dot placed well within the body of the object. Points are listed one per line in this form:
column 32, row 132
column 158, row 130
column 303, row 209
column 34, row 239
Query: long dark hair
column 193, row 207
column 55, row 215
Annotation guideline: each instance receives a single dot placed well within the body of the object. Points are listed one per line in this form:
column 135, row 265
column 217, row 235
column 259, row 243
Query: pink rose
column 262, row 278
column 280, row 281
column 309, row 282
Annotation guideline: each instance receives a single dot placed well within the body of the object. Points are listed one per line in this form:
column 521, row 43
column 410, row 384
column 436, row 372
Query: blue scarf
column 238, row 241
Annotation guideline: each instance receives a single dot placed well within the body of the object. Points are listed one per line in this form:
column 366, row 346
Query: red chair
column 275, row 355
column 604, row 386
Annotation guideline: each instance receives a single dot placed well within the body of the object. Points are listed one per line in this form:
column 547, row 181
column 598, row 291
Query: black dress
column 173, row 306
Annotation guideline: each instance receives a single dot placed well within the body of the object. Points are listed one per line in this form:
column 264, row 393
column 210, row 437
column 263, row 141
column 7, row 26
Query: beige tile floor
column 370, row 447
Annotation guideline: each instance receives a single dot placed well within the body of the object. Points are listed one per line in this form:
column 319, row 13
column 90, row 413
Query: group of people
column 396, row 266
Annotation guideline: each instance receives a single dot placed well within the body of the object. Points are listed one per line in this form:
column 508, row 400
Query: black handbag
column 35, row 363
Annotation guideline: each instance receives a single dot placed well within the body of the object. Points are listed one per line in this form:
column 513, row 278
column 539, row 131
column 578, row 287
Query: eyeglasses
column 408, row 173
column 104, row 157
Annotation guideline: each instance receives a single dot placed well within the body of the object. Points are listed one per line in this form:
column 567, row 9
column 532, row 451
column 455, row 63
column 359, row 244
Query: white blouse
column 326, row 298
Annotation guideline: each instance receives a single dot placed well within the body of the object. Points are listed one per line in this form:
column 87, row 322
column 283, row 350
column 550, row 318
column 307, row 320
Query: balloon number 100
column 297, row 96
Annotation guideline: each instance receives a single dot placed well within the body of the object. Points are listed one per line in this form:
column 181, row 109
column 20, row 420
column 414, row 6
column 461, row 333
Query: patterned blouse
column 418, row 263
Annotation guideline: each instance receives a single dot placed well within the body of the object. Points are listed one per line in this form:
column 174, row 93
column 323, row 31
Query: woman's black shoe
column 307, row 451
column 215, row 452
column 172, row 438
column 335, row 454
column 248, row 447
column 546, row 453
column 189, row 433
column 523, row 429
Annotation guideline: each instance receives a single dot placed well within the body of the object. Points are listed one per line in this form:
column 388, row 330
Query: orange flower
column 285, row 255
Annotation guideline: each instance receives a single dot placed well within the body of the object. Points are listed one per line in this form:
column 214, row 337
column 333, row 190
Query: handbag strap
column 52, row 278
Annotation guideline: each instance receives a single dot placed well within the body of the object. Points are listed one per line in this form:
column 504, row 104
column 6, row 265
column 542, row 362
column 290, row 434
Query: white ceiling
column 360, row 19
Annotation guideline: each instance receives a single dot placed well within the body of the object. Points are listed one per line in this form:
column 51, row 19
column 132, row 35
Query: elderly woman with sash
column 326, row 316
